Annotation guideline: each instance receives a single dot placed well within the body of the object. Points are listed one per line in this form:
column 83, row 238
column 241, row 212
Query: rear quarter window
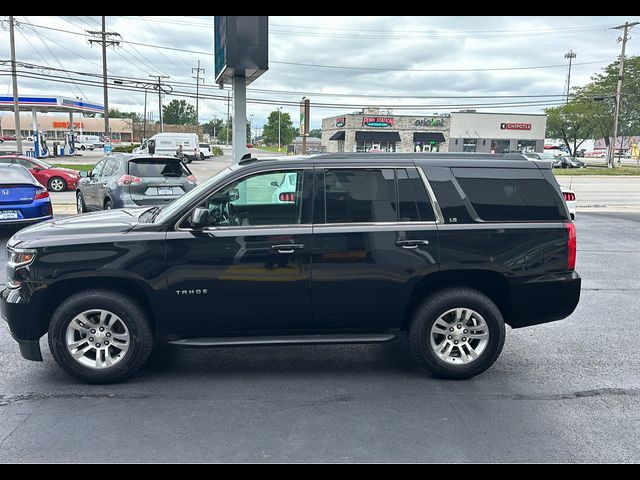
column 509, row 194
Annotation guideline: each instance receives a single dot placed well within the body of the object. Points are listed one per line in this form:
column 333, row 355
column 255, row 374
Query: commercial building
column 375, row 129
column 496, row 132
column 57, row 126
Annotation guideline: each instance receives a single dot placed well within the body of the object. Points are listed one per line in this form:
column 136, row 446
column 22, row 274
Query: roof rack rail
column 247, row 158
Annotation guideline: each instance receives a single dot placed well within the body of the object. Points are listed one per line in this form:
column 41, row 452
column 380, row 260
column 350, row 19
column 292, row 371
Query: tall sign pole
column 14, row 77
column 305, row 106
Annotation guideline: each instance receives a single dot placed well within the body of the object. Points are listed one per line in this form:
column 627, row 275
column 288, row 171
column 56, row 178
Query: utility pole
column 160, row 92
column 616, row 113
column 197, row 77
column 105, row 42
column 144, row 123
column 279, row 114
column 570, row 55
column 14, row 76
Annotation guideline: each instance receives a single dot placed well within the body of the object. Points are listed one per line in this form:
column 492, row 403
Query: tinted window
column 25, row 163
column 450, row 200
column 511, row 195
column 413, row 199
column 359, row 195
column 157, row 168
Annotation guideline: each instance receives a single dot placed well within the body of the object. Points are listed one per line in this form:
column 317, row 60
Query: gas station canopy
column 50, row 104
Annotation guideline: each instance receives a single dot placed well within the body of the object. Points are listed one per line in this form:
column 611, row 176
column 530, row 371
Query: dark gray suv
column 129, row 181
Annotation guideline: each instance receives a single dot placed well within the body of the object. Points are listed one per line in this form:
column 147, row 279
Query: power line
column 494, row 69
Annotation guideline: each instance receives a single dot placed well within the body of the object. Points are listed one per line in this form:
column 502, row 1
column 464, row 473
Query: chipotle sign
column 515, row 126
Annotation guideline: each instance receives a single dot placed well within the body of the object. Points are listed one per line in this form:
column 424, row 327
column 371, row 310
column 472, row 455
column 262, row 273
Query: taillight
column 569, row 197
column 128, row 180
column 192, row 179
column 571, row 245
column 287, row 197
column 41, row 193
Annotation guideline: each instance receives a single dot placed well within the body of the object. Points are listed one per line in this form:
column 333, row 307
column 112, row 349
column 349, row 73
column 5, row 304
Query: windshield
column 177, row 205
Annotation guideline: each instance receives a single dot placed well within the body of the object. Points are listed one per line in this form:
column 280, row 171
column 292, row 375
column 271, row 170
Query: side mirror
column 84, row 174
column 200, row 218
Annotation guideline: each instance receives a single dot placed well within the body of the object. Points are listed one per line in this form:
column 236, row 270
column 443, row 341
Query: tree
column 221, row 133
column 270, row 129
column 213, row 127
column 179, row 112
column 136, row 117
column 572, row 122
column 316, row 132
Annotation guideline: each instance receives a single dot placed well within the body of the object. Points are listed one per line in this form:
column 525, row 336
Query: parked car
column 570, row 199
column 54, row 178
column 22, row 198
column 445, row 247
column 547, row 156
column 205, row 151
column 7, row 138
column 127, row 180
column 569, row 162
column 84, row 146
column 249, row 145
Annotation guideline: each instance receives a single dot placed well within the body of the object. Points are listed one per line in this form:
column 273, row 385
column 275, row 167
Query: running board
column 284, row 340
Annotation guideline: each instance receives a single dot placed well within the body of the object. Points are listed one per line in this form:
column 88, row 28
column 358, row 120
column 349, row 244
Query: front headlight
column 20, row 257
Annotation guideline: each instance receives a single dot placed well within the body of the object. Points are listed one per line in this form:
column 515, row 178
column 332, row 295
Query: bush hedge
column 125, row 148
column 216, row 151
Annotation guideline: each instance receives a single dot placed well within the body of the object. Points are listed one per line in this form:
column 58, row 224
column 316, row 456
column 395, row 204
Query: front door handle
column 411, row 244
column 287, row 247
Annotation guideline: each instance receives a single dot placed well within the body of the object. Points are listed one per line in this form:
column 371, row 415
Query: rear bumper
column 544, row 298
column 21, row 317
column 37, row 211
column 26, row 220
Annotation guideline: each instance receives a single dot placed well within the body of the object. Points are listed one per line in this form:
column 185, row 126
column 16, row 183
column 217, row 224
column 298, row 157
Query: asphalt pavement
column 567, row 391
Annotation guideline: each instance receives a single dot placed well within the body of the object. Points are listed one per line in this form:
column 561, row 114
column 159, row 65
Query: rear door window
column 509, row 194
column 360, row 195
column 413, row 199
column 157, row 168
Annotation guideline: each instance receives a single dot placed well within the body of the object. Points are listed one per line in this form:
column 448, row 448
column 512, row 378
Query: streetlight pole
column 570, row 55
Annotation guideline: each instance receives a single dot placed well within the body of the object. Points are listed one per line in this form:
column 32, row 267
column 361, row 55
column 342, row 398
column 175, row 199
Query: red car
column 54, row 178
column 8, row 138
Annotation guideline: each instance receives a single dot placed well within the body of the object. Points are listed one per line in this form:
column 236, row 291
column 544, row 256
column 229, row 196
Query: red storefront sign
column 515, row 126
column 377, row 121
column 66, row 124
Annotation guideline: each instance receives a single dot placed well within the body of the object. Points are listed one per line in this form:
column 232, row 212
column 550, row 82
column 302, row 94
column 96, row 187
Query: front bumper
column 22, row 319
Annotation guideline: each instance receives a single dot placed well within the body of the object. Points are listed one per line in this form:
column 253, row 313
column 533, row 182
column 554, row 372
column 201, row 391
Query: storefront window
column 526, row 146
column 426, row 147
column 500, row 146
column 369, row 145
column 469, row 144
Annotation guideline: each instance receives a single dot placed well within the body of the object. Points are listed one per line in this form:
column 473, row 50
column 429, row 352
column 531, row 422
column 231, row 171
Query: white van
column 94, row 140
column 168, row 143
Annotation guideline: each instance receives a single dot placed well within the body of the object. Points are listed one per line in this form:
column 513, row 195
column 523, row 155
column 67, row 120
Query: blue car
column 22, row 198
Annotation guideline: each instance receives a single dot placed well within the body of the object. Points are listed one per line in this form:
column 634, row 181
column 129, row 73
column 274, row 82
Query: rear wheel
column 201, row 156
column 82, row 147
column 100, row 336
column 457, row 333
column 108, row 205
column 57, row 184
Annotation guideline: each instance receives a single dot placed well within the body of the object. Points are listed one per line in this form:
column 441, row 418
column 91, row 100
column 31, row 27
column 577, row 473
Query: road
column 567, row 391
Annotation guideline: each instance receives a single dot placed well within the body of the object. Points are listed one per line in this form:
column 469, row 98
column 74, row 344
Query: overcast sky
column 384, row 57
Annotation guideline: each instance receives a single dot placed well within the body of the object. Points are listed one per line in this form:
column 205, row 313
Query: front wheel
column 83, row 147
column 57, row 184
column 100, row 336
column 457, row 333
column 80, row 206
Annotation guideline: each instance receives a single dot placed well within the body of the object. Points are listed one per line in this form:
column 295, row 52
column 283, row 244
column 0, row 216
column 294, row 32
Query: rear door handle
column 410, row 244
column 287, row 247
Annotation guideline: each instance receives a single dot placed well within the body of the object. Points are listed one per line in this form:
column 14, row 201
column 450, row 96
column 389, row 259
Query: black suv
column 334, row 248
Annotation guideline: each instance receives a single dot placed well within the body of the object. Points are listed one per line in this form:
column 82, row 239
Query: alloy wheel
column 459, row 336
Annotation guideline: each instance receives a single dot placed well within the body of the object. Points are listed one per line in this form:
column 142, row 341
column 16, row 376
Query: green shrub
column 125, row 148
column 217, row 151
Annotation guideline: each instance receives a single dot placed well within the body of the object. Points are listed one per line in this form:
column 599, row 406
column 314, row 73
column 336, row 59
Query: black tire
column 129, row 311
column 108, row 205
column 62, row 184
column 83, row 147
column 81, row 207
column 430, row 310
column 202, row 156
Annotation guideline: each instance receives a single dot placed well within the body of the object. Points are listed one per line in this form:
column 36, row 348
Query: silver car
column 133, row 180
